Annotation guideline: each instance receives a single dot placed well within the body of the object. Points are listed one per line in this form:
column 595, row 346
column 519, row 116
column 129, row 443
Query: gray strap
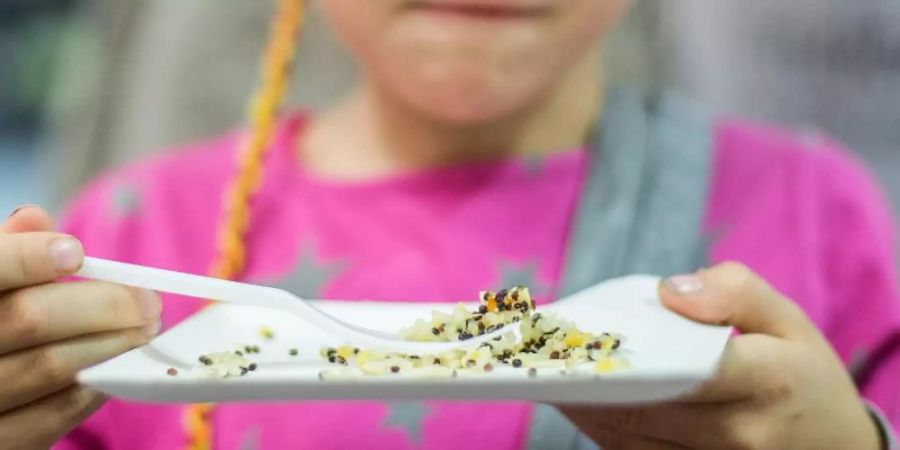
column 549, row 429
column 642, row 207
column 641, row 211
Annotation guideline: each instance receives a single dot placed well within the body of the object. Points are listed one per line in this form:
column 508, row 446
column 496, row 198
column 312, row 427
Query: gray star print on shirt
column 309, row 275
column 534, row 164
column 250, row 440
column 408, row 416
column 124, row 201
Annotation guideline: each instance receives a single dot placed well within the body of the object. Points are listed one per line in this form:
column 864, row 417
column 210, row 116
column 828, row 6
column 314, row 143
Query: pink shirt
column 799, row 211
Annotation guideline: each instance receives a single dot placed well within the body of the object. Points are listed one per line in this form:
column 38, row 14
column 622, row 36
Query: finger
column 42, row 423
column 610, row 438
column 27, row 218
column 732, row 294
column 57, row 311
column 750, row 366
column 732, row 425
column 37, row 372
column 33, row 258
column 694, row 425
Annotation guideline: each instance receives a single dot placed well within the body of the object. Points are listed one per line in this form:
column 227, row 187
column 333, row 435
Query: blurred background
column 86, row 84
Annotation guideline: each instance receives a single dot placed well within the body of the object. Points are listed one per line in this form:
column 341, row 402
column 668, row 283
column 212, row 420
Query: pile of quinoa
column 545, row 341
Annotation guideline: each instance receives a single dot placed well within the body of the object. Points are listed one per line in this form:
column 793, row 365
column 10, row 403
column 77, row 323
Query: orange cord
column 263, row 114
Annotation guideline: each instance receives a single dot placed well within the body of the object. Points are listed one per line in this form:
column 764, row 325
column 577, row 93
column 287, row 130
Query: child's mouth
column 480, row 9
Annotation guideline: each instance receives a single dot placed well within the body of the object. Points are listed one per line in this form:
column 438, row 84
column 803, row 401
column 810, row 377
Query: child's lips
column 483, row 9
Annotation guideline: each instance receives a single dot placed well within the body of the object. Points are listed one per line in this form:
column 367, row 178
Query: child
column 480, row 149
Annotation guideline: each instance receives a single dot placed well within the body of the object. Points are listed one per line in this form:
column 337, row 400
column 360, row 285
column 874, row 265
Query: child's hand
column 49, row 331
column 780, row 385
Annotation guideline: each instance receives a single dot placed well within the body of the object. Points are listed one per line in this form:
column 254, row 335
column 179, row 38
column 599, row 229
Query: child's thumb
column 731, row 294
column 27, row 218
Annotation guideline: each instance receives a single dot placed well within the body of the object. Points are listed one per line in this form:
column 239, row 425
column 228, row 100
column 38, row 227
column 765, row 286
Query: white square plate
column 668, row 354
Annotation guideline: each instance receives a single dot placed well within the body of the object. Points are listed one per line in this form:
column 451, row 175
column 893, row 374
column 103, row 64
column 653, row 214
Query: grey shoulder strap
column 642, row 207
column 641, row 211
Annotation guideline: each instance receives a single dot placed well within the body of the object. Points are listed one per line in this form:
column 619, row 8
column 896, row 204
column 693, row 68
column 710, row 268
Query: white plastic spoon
column 249, row 294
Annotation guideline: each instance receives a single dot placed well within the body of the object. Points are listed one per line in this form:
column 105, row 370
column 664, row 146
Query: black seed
column 477, row 317
column 248, row 349
column 517, row 363
column 482, row 309
column 465, row 335
column 470, row 363
column 205, row 360
column 515, row 293
column 244, row 371
column 340, row 360
column 395, row 369
column 554, row 355
column 293, row 352
column 331, row 352
column 355, row 350
column 331, row 359
column 435, row 332
column 172, row 372
column 501, row 296
column 588, row 346
column 437, row 361
column 616, row 344
column 252, row 366
column 480, row 327
column 414, row 357
column 516, row 319
column 238, row 352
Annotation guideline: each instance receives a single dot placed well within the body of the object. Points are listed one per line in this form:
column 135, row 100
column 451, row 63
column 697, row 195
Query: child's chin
column 471, row 110
column 473, row 101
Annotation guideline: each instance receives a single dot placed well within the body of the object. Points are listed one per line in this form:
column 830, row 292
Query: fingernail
column 67, row 254
column 684, row 284
column 17, row 210
column 151, row 305
column 151, row 329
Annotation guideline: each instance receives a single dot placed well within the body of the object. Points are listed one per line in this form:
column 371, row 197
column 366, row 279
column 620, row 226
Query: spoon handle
column 175, row 282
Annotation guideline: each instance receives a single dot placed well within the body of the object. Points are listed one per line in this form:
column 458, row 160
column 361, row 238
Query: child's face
column 470, row 61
